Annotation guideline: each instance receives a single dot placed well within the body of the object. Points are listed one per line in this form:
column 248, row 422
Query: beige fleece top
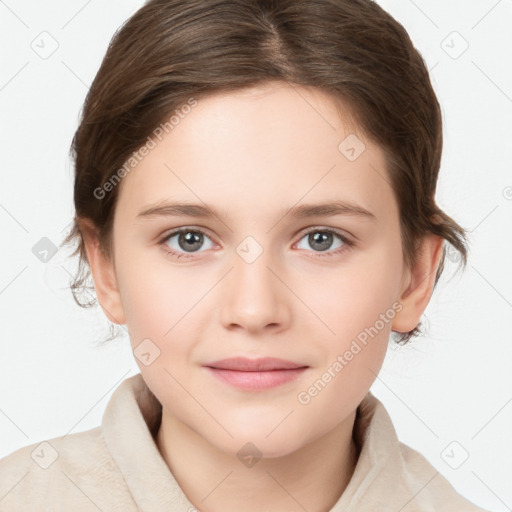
column 117, row 467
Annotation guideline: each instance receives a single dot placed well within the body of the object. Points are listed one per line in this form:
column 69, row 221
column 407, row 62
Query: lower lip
column 257, row 380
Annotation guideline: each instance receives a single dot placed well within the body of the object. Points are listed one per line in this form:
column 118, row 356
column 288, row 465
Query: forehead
column 260, row 149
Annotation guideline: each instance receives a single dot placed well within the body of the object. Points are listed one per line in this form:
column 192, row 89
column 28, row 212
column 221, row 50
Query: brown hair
column 172, row 50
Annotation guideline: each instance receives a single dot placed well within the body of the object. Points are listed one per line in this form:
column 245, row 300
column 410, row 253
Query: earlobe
column 103, row 274
column 419, row 284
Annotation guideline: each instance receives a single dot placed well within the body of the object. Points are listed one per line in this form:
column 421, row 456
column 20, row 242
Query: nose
column 254, row 297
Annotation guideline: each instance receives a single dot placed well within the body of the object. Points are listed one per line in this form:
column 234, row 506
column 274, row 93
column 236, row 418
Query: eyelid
column 176, row 231
column 340, row 232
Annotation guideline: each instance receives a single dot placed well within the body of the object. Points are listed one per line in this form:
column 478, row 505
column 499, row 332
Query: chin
column 263, row 450
column 257, row 444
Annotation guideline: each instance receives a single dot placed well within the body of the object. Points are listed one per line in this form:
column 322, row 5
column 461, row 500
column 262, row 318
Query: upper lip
column 254, row 365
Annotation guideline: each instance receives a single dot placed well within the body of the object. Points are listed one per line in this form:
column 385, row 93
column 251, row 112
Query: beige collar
column 132, row 417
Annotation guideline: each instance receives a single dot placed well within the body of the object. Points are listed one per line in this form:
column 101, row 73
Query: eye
column 185, row 242
column 321, row 240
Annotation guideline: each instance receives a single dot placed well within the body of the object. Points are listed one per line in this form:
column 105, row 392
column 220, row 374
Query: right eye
column 184, row 242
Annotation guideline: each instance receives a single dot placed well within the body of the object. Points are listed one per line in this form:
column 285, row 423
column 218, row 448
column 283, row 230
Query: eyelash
column 348, row 244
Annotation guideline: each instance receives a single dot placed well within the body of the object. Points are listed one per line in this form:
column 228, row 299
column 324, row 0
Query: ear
column 418, row 284
column 103, row 274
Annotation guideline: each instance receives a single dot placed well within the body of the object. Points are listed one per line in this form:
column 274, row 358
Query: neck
column 312, row 478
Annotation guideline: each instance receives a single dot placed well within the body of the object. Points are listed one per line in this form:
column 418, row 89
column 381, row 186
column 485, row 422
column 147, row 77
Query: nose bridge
column 254, row 275
column 254, row 298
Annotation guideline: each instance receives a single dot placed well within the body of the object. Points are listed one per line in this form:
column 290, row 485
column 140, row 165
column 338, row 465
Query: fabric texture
column 117, row 467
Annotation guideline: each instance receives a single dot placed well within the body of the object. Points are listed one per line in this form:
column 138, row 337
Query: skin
column 249, row 154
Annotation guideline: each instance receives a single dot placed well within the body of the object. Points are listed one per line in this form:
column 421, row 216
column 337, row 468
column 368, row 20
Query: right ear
column 103, row 274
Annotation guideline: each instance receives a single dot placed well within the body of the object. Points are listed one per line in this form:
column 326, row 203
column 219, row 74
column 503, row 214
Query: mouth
column 243, row 364
column 256, row 374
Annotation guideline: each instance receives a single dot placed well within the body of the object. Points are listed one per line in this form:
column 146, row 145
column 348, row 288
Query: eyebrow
column 330, row 209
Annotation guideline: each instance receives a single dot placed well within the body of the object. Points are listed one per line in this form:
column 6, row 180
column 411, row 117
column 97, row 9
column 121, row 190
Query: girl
column 255, row 199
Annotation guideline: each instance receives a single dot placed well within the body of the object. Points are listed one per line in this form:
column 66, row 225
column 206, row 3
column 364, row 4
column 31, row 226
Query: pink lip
column 254, row 365
column 255, row 374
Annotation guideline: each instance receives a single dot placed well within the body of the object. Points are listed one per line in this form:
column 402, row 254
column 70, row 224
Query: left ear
column 418, row 284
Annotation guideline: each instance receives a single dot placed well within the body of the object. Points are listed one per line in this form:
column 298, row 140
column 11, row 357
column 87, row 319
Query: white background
column 454, row 384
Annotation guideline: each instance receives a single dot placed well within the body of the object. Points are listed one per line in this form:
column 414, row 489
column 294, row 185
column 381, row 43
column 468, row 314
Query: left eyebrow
column 167, row 209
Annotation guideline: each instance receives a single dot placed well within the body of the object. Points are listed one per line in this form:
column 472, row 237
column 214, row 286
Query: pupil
column 190, row 240
column 323, row 239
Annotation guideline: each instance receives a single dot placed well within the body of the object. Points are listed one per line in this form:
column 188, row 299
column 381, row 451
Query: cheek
column 348, row 300
column 156, row 296
column 355, row 311
column 360, row 314
column 161, row 308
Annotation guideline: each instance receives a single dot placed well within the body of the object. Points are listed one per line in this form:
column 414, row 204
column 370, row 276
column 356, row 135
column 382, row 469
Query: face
column 256, row 277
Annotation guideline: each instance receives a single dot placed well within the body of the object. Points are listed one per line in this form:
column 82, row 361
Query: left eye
column 322, row 240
